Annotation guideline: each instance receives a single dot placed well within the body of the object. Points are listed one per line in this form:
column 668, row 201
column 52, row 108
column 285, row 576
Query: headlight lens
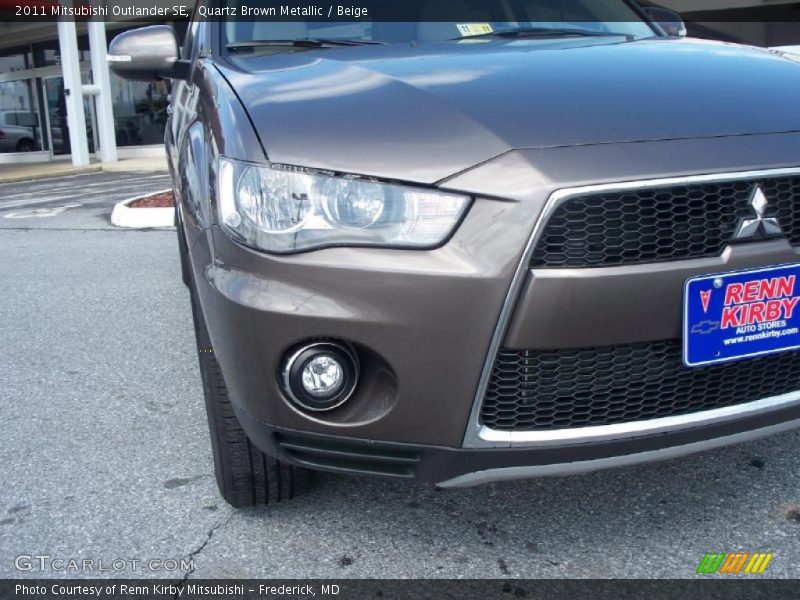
column 282, row 210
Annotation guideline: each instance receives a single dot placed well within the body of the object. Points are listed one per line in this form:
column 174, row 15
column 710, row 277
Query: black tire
column 25, row 145
column 183, row 251
column 245, row 475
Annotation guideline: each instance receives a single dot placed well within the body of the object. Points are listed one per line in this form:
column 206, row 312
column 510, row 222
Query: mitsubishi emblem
column 749, row 228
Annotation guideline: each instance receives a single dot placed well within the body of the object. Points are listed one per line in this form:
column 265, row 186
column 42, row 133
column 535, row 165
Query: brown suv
column 470, row 251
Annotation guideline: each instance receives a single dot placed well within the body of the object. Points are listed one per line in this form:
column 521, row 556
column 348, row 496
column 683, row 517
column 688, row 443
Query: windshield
column 486, row 17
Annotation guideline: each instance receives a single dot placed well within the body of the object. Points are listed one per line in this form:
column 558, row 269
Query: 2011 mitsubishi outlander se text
column 508, row 246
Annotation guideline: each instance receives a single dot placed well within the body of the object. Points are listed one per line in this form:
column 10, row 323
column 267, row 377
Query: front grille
column 559, row 389
column 659, row 224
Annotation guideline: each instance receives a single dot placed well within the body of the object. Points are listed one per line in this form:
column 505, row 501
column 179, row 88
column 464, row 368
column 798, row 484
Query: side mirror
column 147, row 54
column 669, row 21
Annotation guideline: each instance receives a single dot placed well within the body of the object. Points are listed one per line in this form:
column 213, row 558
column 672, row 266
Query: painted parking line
column 128, row 187
column 60, row 184
column 50, row 211
column 128, row 191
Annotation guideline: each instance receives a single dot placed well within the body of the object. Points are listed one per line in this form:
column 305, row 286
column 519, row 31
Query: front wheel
column 245, row 475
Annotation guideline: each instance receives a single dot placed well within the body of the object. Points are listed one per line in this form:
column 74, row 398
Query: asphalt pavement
column 105, row 456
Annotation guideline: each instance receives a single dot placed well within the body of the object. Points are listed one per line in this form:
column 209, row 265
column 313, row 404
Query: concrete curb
column 142, row 218
column 14, row 173
column 35, row 176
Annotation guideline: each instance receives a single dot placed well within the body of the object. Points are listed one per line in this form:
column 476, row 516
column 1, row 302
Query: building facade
column 34, row 123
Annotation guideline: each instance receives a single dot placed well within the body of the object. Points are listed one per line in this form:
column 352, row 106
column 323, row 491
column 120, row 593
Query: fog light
column 320, row 376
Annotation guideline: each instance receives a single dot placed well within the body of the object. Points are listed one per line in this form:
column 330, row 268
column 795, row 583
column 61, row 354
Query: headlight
column 284, row 209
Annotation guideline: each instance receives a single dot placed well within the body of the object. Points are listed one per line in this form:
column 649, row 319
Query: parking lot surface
column 104, row 452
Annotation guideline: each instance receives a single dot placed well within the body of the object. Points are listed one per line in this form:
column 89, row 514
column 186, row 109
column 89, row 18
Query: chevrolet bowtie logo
column 705, row 327
column 749, row 228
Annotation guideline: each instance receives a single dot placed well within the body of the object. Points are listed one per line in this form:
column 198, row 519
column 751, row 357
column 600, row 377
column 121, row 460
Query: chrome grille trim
column 479, row 436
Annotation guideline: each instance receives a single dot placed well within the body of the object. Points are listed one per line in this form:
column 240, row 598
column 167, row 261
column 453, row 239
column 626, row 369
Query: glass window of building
column 140, row 111
column 13, row 60
column 48, row 54
column 20, row 130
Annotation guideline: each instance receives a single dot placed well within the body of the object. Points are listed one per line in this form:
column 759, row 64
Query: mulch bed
column 161, row 200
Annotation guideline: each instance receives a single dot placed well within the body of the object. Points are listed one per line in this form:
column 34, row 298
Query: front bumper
column 428, row 324
column 464, row 467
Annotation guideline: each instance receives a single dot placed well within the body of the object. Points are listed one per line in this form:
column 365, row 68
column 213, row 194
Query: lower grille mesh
column 558, row 389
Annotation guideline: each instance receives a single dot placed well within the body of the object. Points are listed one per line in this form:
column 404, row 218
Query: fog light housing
column 320, row 376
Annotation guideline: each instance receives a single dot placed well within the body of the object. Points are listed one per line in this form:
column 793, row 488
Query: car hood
column 423, row 113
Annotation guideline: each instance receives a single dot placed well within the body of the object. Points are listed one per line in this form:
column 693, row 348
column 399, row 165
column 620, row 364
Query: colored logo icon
column 733, row 563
